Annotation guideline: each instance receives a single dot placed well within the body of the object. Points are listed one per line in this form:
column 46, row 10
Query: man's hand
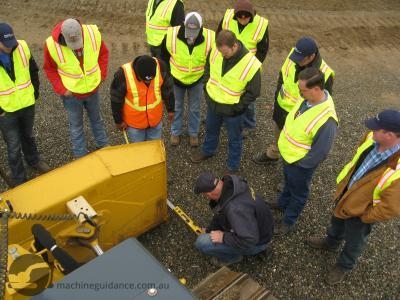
column 121, row 126
column 68, row 93
column 170, row 116
column 217, row 236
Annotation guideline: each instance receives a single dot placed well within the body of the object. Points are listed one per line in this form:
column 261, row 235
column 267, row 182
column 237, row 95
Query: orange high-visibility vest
column 143, row 104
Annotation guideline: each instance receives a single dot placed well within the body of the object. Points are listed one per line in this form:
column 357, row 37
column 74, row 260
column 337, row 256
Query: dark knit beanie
column 145, row 67
column 244, row 6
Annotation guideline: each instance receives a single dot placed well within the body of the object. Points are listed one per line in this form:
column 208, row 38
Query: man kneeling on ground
column 242, row 222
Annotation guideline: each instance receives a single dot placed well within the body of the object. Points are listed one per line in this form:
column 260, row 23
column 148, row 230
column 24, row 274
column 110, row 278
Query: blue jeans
column 354, row 233
column 17, row 130
column 295, row 192
column 147, row 134
column 74, row 107
column 222, row 251
column 249, row 116
column 195, row 94
column 235, row 139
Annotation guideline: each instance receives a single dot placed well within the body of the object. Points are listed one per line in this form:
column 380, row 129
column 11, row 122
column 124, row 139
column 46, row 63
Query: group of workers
column 224, row 68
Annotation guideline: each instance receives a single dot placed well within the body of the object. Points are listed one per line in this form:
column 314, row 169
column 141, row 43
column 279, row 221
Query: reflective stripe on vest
column 364, row 146
column 15, row 95
column 158, row 23
column 227, row 89
column 251, row 34
column 384, row 182
column 143, row 104
column 289, row 94
column 185, row 66
column 298, row 133
column 72, row 76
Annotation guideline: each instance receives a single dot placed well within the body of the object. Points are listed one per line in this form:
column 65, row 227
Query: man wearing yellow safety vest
column 19, row 88
column 368, row 191
column 304, row 142
column 232, row 76
column 75, row 62
column 137, row 93
column 252, row 30
column 160, row 15
column 185, row 49
column 304, row 55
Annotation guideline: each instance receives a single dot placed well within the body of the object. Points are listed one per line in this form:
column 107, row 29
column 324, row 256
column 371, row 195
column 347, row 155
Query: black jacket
column 118, row 91
column 316, row 63
column 263, row 44
column 252, row 89
column 165, row 55
column 178, row 13
column 33, row 71
column 244, row 218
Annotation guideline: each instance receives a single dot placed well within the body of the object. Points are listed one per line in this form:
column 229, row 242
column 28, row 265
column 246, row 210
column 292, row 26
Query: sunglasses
column 243, row 16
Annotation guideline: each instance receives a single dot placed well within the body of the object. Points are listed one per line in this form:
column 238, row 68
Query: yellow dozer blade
column 126, row 186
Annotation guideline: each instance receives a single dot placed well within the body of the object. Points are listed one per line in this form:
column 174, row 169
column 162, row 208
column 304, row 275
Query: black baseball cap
column 205, row 183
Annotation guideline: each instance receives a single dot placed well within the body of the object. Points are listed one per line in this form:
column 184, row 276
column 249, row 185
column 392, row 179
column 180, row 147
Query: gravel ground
column 358, row 39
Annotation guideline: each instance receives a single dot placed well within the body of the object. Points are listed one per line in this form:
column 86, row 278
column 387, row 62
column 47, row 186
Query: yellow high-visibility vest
column 251, row 34
column 364, row 146
column 15, row 95
column 387, row 178
column 298, row 133
column 289, row 93
column 72, row 76
column 186, row 67
column 158, row 23
column 227, row 89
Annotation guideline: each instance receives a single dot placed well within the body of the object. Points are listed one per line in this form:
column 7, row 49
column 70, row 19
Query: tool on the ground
column 125, row 136
column 185, row 217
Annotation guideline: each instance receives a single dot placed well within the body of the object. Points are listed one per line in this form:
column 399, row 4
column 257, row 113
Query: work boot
column 265, row 255
column 282, row 228
column 41, row 167
column 335, row 275
column 273, row 203
column 219, row 263
column 262, row 159
column 248, row 132
column 194, row 141
column 273, row 152
column 320, row 243
column 198, row 157
column 174, row 140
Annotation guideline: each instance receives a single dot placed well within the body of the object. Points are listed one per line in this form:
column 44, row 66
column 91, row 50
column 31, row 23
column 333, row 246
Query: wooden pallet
column 227, row 284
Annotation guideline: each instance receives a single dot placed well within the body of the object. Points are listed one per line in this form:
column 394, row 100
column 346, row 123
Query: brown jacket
column 357, row 201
